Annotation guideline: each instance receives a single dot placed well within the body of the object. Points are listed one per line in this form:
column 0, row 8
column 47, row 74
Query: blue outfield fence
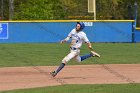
column 98, row 31
column 137, row 35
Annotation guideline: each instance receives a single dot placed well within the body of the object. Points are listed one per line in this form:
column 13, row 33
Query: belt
column 73, row 48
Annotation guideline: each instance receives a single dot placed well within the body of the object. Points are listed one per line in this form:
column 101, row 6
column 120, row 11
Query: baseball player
column 77, row 37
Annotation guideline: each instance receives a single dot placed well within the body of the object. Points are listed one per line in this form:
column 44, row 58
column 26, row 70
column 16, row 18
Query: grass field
column 108, row 88
column 52, row 54
column 45, row 54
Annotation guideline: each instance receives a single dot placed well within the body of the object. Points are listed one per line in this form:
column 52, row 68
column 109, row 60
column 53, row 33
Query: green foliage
column 63, row 9
column 38, row 9
column 115, row 9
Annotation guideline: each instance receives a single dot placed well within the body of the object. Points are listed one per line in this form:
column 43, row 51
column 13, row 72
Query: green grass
column 105, row 88
column 45, row 54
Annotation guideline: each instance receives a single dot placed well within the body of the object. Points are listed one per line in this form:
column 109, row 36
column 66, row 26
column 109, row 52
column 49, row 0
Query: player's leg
column 78, row 58
column 64, row 62
column 81, row 58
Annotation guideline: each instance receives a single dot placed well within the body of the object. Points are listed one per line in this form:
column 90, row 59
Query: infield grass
column 50, row 54
column 104, row 88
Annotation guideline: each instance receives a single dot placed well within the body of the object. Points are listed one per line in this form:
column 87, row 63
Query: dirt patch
column 31, row 77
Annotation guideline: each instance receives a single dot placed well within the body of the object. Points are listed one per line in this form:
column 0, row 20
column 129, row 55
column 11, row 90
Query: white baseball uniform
column 77, row 39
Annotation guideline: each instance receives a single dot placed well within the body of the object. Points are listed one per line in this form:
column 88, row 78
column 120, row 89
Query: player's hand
column 62, row 41
column 90, row 47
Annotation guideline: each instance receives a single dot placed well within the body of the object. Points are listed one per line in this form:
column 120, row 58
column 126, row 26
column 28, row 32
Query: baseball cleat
column 94, row 54
column 53, row 74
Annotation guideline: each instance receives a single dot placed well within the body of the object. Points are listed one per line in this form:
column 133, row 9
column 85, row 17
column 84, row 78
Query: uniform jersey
column 77, row 38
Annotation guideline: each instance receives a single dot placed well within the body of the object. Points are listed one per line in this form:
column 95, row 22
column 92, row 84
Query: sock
column 86, row 56
column 60, row 67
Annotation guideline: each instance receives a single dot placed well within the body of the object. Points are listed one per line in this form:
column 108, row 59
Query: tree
column 30, row 9
column 62, row 9
column 5, row 9
column 38, row 9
